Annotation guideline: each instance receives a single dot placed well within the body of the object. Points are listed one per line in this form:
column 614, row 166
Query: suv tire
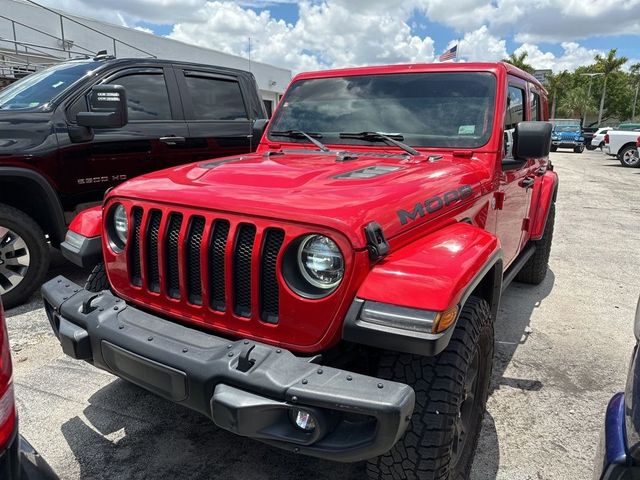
column 97, row 280
column 451, row 394
column 536, row 267
column 578, row 149
column 21, row 240
column 629, row 156
column 553, row 148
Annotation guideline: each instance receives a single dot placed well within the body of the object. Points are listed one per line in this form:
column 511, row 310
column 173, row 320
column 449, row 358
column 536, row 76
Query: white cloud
column 572, row 57
column 481, row 46
column 329, row 34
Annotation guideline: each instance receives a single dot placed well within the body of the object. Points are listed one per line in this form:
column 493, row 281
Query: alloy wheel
column 14, row 259
column 630, row 157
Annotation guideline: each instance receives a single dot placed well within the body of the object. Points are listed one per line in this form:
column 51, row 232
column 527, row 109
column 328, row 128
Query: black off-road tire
column 536, row 267
column 579, row 149
column 553, row 148
column 97, row 280
column 427, row 451
column 38, row 250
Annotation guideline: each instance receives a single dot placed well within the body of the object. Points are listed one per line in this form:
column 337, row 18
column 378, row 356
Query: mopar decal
column 433, row 204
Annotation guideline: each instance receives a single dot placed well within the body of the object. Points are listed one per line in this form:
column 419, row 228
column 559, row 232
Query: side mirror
column 107, row 108
column 532, row 140
column 257, row 130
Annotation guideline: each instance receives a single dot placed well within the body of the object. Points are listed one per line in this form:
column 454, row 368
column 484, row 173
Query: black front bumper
column 246, row 387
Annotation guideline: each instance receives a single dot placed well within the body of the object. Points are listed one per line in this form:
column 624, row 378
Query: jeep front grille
column 189, row 257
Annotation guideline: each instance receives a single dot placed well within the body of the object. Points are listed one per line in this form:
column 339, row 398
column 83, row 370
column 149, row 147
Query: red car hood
column 315, row 188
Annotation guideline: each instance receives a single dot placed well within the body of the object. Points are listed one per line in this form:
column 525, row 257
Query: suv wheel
column 97, row 280
column 451, row 394
column 629, row 156
column 578, row 149
column 24, row 256
column 553, row 148
column 536, row 267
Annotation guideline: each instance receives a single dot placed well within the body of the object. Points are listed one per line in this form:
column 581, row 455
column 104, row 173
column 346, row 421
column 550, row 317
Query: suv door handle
column 172, row 140
column 527, row 182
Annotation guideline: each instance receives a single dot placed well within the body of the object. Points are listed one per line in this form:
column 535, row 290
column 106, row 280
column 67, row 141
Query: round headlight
column 320, row 262
column 121, row 223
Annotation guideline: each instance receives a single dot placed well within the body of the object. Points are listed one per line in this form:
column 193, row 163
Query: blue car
column 618, row 456
column 567, row 135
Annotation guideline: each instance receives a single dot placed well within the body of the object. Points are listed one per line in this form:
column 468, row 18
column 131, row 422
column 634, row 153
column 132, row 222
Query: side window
column 515, row 107
column 215, row 98
column 147, row 96
column 535, row 106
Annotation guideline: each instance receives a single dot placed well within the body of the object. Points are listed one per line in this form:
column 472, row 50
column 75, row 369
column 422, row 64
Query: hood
column 20, row 131
column 343, row 193
column 568, row 135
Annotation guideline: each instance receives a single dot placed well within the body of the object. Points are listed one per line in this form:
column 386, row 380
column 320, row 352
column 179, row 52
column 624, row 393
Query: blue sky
column 310, row 34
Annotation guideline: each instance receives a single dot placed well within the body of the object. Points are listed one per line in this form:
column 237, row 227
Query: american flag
column 449, row 54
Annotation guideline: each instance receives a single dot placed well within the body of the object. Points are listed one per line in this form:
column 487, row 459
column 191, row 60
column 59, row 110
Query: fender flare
column 434, row 274
column 53, row 213
column 547, row 194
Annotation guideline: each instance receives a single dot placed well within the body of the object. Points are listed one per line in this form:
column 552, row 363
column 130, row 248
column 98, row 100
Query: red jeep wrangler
column 334, row 293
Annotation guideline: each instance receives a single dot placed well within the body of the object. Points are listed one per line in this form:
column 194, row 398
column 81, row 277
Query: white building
column 32, row 37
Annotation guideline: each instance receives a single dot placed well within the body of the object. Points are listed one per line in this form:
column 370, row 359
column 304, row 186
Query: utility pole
column 590, row 75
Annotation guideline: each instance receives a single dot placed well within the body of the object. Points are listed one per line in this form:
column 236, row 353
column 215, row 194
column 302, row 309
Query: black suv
column 53, row 164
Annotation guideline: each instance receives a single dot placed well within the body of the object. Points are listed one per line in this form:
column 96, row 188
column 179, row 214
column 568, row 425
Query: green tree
column 575, row 102
column 634, row 72
column 607, row 65
column 519, row 61
column 555, row 84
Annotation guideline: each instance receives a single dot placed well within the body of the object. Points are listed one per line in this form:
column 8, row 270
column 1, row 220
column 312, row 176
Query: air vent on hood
column 368, row 172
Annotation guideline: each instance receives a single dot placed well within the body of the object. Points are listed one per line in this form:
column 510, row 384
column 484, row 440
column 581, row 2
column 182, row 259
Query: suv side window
column 215, row 98
column 147, row 96
column 535, row 106
column 515, row 107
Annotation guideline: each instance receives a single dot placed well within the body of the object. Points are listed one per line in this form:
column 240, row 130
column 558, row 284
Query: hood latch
column 376, row 241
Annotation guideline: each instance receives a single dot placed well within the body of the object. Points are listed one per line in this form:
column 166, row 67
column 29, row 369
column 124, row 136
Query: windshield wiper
column 301, row 134
column 390, row 139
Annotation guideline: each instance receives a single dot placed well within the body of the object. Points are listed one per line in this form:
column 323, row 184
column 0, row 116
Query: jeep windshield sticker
column 433, row 204
column 466, row 129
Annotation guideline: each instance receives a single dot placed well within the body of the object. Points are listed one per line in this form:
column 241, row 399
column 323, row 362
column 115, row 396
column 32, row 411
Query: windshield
column 38, row 89
column 567, row 128
column 421, row 109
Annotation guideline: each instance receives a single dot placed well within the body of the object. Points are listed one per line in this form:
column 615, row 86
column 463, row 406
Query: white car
column 598, row 138
column 624, row 145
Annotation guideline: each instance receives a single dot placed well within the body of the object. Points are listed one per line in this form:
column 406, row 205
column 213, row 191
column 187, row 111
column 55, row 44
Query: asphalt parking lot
column 563, row 350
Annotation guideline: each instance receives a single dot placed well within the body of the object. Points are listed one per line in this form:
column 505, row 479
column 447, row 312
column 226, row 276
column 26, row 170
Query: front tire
column 579, row 149
column 97, row 280
column 451, row 394
column 24, row 256
column 553, row 148
column 536, row 267
column 629, row 156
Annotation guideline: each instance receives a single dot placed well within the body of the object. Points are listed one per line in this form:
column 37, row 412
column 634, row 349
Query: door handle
column 527, row 182
column 172, row 140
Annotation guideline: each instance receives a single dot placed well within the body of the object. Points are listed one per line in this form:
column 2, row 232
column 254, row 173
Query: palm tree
column 635, row 75
column 607, row 65
column 575, row 102
column 555, row 84
column 519, row 61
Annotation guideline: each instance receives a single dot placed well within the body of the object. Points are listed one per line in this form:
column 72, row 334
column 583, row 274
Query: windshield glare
column 427, row 109
column 36, row 91
column 568, row 128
